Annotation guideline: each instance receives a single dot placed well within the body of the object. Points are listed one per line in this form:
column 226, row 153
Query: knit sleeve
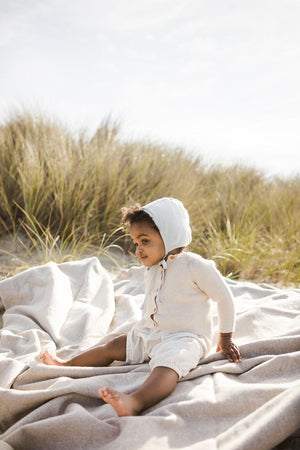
column 210, row 281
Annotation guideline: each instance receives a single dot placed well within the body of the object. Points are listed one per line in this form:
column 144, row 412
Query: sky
column 218, row 78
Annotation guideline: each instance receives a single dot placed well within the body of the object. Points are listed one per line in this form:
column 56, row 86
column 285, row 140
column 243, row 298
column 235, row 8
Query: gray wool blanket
column 67, row 308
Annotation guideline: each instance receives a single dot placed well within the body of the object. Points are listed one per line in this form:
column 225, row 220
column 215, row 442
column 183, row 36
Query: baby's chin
column 145, row 261
column 148, row 263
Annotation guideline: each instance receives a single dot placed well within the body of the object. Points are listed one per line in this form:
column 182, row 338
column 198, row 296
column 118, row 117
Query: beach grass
column 64, row 193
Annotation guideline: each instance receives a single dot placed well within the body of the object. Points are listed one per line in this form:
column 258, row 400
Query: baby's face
column 150, row 248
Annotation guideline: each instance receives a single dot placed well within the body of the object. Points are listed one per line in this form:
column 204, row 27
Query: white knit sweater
column 178, row 297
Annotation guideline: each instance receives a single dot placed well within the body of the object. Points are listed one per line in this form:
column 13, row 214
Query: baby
column 174, row 332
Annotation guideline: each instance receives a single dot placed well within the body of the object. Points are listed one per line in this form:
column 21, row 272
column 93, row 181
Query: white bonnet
column 172, row 220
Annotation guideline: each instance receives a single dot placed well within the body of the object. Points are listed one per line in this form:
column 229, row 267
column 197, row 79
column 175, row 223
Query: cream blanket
column 219, row 405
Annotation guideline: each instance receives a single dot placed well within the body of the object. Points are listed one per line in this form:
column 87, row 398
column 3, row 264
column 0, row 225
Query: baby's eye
column 142, row 242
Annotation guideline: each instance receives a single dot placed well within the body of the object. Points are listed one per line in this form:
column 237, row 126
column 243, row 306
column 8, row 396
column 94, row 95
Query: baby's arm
column 209, row 280
column 228, row 348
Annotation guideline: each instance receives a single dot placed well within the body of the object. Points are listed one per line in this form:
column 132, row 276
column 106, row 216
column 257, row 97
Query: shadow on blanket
column 72, row 306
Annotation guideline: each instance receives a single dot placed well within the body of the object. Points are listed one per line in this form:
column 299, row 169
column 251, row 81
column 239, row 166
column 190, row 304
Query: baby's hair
column 135, row 214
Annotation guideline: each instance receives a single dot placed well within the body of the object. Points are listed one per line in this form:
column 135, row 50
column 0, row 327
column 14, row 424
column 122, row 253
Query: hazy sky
column 219, row 77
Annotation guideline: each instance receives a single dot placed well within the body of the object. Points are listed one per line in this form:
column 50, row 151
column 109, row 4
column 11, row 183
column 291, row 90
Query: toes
column 103, row 392
column 108, row 394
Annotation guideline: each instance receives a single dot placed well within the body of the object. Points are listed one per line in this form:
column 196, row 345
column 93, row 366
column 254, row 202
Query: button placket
column 157, row 292
column 155, row 310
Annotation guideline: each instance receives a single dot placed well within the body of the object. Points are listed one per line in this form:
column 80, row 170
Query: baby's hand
column 228, row 348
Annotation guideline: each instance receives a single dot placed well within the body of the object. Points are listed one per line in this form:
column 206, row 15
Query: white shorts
column 180, row 351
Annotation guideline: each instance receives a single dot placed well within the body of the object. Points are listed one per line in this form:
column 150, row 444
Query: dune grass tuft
column 65, row 193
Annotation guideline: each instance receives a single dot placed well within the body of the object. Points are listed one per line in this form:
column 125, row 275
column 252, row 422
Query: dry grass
column 65, row 193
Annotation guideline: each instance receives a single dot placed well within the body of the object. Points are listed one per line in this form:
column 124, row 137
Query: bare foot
column 124, row 404
column 48, row 359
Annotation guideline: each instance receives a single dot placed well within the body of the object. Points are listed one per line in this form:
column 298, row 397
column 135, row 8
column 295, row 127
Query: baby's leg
column 159, row 384
column 99, row 356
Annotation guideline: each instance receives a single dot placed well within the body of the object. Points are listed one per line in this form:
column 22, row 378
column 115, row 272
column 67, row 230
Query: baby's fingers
column 232, row 353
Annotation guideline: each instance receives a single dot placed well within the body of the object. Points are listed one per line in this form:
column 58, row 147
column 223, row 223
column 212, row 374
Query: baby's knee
column 117, row 347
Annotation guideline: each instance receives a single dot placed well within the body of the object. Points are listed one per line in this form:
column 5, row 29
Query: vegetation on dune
column 66, row 193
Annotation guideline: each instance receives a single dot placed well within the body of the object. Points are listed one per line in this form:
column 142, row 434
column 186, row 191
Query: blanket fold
column 70, row 307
